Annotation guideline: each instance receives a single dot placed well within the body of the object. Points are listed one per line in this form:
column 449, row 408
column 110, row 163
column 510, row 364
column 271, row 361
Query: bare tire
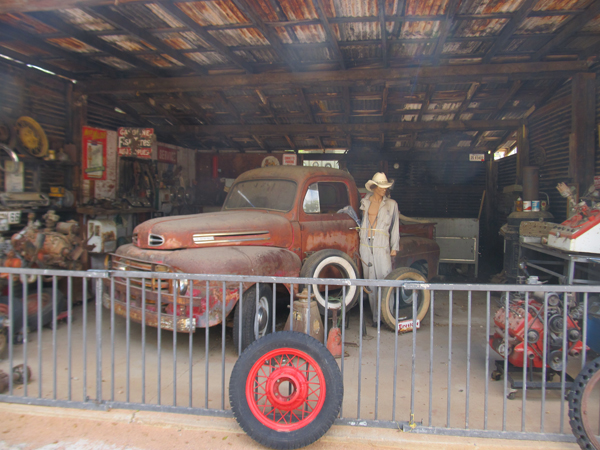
column 286, row 390
column 404, row 296
column 583, row 406
column 331, row 264
column 255, row 321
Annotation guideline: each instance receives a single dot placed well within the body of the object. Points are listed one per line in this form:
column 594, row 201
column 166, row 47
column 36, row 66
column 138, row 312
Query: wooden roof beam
column 329, row 33
column 45, row 64
column 50, row 18
column 159, row 109
column 230, row 108
column 383, row 29
column 508, row 30
column 306, row 105
column 291, row 143
column 465, row 104
column 451, row 11
column 347, row 78
column 345, row 129
column 516, row 85
column 206, row 36
column 426, row 101
column 568, row 30
column 112, row 16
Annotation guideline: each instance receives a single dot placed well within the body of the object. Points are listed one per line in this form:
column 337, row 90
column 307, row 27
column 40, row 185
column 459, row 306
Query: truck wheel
column 255, row 322
column 286, row 390
column 388, row 298
column 331, row 264
column 583, row 406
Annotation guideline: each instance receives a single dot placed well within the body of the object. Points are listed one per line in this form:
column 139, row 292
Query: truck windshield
column 276, row 195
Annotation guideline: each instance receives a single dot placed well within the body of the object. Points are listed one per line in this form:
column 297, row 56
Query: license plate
column 407, row 325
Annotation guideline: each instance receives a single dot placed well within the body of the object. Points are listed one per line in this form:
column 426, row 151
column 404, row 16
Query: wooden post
column 522, row 151
column 79, row 120
column 583, row 121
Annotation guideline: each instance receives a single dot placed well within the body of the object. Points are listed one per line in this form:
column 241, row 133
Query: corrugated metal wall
column 30, row 93
column 549, row 138
column 431, row 188
column 506, row 169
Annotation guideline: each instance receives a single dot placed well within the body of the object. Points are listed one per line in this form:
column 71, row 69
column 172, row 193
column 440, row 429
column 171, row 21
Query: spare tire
column 405, row 312
column 286, row 390
column 331, row 264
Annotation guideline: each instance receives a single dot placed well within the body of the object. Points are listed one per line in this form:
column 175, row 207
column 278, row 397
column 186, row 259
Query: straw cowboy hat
column 379, row 180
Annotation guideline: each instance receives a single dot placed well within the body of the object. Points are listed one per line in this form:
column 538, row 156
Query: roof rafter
column 329, row 33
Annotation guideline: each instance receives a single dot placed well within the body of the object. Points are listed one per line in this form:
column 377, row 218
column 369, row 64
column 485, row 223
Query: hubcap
column 261, row 320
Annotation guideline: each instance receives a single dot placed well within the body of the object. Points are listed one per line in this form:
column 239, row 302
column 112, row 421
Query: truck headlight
column 181, row 286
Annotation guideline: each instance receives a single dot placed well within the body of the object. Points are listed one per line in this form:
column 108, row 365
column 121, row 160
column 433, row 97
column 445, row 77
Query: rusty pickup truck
column 276, row 221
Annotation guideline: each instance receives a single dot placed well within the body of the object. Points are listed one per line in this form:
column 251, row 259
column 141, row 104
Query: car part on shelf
column 31, row 137
column 286, row 390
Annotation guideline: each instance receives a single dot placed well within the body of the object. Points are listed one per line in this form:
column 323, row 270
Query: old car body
column 272, row 220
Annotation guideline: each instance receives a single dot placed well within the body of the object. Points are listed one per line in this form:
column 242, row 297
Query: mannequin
column 379, row 234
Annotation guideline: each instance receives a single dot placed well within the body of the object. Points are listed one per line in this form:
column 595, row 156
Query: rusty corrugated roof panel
column 357, row 8
column 23, row 49
column 490, row 6
column 26, row 23
column 464, row 48
column 258, row 56
column 538, row 25
column 420, row 30
column 580, row 43
column 183, row 41
column 240, row 37
column 214, row 12
column 83, row 20
column 141, row 16
column 593, row 25
column 309, row 34
column 411, row 50
column 300, row 9
column 425, row 8
column 480, row 27
column 74, row 45
column 561, row 5
column 207, row 58
column 115, row 62
column 163, row 61
column 165, row 16
column 128, row 43
column 359, row 31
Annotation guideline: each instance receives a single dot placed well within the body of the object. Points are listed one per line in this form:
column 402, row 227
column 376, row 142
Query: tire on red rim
column 286, row 390
column 582, row 406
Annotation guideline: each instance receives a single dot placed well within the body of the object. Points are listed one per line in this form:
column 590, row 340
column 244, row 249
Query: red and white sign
column 407, row 325
column 476, row 157
column 290, row 159
column 94, row 153
column 135, row 142
column 167, row 155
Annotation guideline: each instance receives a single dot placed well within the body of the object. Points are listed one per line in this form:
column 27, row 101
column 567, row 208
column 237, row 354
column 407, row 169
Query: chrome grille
column 154, row 240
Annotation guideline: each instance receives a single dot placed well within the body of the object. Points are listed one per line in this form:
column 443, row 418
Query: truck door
column 322, row 227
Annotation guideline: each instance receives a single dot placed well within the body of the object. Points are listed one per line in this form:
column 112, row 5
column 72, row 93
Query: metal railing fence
column 432, row 379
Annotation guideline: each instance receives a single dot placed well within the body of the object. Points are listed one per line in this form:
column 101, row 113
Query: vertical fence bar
column 413, row 368
column 11, row 334
column 563, row 371
column 274, row 315
column 69, row 341
column 112, row 339
column 525, row 361
column 487, row 361
column 378, row 346
column 84, row 337
column 159, row 341
column 307, row 331
column 175, row 308
column 360, row 349
column 240, row 310
column 191, row 342
column 469, row 323
column 431, row 327
column 206, row 335
column 54, row 333
column 98, row 339
column 144, row 339
column 397, row 294
column 544, row 362
column 223, row 342
column 505, row 378
column 343, row 331
column 127, row 337
column 584, row 329
column 39, row 336
column 292, row 308
column 25, row 295
column 326, row 311
column 449, row 405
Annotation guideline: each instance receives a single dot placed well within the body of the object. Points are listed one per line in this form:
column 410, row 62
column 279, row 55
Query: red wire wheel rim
column 278, row 411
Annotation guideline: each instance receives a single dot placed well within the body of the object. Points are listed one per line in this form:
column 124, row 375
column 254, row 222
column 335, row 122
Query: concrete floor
column 183, row 379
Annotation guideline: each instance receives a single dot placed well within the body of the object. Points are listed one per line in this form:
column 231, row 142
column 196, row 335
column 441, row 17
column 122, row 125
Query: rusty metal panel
column 239, row 37
column 420, row 30
column 74, row 45
column 538, row 25
column 127, row 43
column 592, row 26
column 360, row 8
column 165, row 16
column 83, row 20
column 163, row 61
column 215, row 12
column 561, row 5
column 207, row 58
column 183, row 41
column 260, row 56
column 465, row 48
column 362, row 31
column 480, row 27
column 145, row 17
column 26, row 23
column 309, row 34
column 115, row 62
column 491, row 6
column 429, row 8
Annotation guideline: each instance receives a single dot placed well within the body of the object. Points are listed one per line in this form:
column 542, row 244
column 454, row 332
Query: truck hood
column 224, row 228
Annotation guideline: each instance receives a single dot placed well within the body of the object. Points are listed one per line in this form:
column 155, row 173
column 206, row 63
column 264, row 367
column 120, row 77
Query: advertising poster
column 135, row 142
column 94, row 154
column 167, row 155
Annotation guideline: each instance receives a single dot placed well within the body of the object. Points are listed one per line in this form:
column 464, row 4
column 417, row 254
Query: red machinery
column 555, row 316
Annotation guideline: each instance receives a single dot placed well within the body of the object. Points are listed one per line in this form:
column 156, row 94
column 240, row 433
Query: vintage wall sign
column 167, row 155
column 94, row 153
column 135, row 142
